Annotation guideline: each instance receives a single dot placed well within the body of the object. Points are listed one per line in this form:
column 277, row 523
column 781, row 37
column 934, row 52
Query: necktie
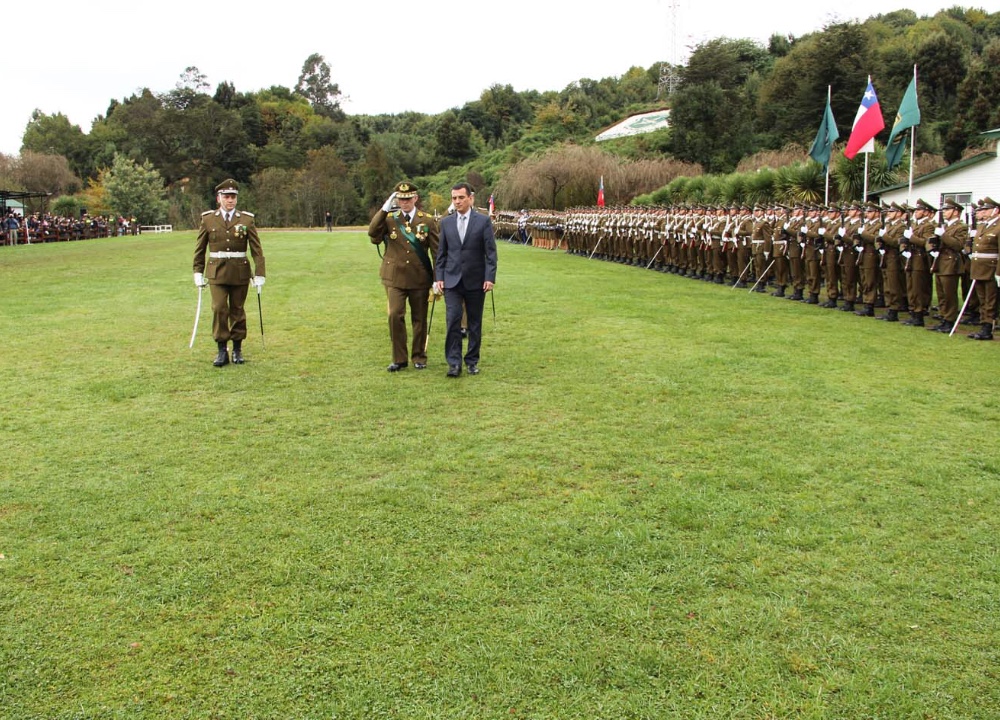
column 229, row 218
column 461, row 228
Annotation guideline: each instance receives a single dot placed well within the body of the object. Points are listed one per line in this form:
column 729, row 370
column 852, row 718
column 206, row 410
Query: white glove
column 258, row 281
column 972, row 232
column 939, row 230
column 805, row 229
column 908, row 233
column 822, row 231
column 785, row 226
column 997, row 278
column 881, row 232
column 387, row 206
column 842, row 232
column 199, row 280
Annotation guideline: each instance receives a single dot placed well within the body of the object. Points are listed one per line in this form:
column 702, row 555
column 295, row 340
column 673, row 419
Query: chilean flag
column 600, row 193
column 867, row 124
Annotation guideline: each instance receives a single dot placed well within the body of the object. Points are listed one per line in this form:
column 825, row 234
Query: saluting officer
column 411, row 240
column 226, row 234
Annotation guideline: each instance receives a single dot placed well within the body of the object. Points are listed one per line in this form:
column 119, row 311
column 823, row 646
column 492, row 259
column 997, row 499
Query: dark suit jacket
column 470, row 263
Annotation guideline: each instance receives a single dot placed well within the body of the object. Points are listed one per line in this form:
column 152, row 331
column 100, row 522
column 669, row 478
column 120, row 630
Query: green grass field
column 659, row 499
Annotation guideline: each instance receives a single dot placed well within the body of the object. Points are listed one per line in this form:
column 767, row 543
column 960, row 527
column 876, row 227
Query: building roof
column 954, row 167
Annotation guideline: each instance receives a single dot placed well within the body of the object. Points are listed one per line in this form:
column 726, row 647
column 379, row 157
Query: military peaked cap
column 924, row 205
column 227, row 187
column 405, row 190
column 988, row 202
column 950, row 204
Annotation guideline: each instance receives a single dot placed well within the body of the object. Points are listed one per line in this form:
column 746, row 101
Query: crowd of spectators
column 42, row 227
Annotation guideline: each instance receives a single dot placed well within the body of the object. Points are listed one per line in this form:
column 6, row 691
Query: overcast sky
column 387, row 57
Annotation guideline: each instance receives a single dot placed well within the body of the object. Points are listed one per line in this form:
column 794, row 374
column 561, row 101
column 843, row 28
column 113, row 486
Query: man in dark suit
column 226, row 235
column 465, row 269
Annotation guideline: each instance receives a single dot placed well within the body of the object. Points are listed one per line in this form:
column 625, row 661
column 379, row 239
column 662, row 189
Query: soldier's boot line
column 797, row 295
column 223, row 357
column 916, row 319
column 238, row 352
column 780, row 292
column 813, row 299
column 848, row 306
column 985, row 332
column 890, row 315
column 867, row 311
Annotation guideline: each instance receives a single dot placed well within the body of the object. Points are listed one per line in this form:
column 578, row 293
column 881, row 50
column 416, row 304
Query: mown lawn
column 659, row 499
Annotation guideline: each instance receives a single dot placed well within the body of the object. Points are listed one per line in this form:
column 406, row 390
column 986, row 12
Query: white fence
column 157, row 228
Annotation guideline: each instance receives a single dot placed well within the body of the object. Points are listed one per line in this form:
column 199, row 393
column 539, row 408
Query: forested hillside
column 297, row 154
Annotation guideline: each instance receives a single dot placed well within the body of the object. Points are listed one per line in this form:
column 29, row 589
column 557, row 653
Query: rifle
column 935, row 244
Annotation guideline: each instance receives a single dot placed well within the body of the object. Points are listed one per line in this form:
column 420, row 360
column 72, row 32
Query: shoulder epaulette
column 244, row 212
column 207, row 212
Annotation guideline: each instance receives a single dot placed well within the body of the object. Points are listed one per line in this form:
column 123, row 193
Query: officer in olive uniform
column 946, row 246
column 913, row 248
column 411, row 241
column 985, row 239
column 226, row 234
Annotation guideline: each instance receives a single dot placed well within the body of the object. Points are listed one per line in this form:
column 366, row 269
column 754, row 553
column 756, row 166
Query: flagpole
column 864, row 197
column 826, row 191
column 913, row 147
column 913, row 140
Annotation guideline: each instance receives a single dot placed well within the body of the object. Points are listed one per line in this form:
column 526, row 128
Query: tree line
column 298, row 155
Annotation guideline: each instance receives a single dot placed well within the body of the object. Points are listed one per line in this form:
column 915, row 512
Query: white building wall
column 981, row 180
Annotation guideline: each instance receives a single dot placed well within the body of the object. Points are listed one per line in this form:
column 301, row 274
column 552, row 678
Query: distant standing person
column 329, row 221
column 11, row 225
column 226, row 234
column 466, row 269
column 411, row 241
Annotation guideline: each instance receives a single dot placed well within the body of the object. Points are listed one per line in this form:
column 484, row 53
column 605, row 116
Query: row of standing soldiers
column 860, row 256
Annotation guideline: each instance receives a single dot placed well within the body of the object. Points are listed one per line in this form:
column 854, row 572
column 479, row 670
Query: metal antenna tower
column 669, row 77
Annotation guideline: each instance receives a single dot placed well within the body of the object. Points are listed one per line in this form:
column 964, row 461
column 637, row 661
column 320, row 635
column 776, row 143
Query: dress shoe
column 454, row 370
column 943, row 327
column 221, row 359
column 848, row 306
column 396, row 367
column 916, row 320
column 829, row 304
column 238, row 358
column 866, row 311
column 780, row 292
column 985, row 332
column 419, row 366
column 890, row 316
column 813, row 299
column 797, row 295
column 473, row 369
